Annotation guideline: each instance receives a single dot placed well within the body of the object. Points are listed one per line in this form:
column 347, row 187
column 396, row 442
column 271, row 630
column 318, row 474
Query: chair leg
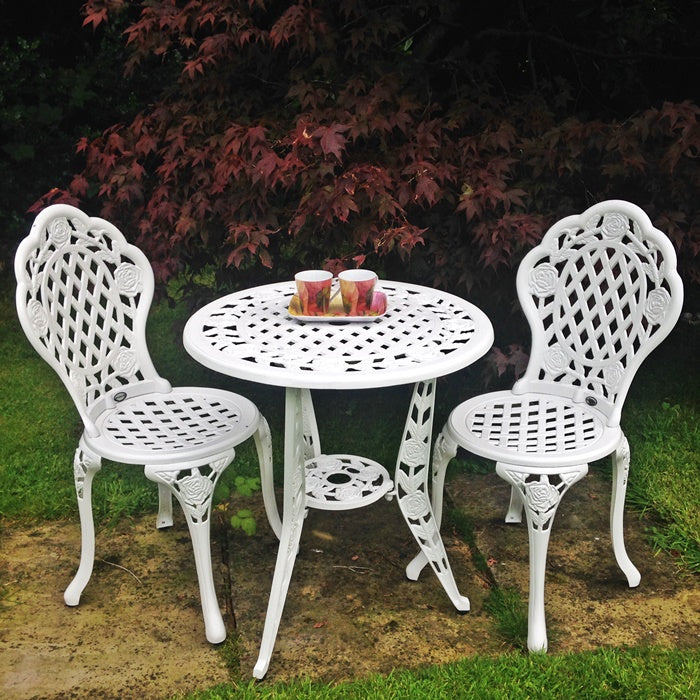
column 621, row 466
column 165, row 507
column 444, row 451
column 541, row 497
column 194, row 487
column 515, row 507
column 85, row 465
column 263, row 445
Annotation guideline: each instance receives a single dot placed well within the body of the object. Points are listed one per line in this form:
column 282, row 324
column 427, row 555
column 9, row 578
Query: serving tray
column 336, row 313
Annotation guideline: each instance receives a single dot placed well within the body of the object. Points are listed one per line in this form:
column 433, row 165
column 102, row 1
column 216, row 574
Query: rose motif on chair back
column 125, row 363
column 60, row 232
column 598, row 291
column 543, row 280
column 37, row 317
column 613, row 374
column 555, row 359
column 657, row 304
column 615, row 225
column 128, row 279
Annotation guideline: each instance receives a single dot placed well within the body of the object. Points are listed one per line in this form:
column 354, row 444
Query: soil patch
column 350, row 611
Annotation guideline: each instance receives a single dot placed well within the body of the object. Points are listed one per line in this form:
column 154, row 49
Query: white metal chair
column 600, row 292
column 83, row 296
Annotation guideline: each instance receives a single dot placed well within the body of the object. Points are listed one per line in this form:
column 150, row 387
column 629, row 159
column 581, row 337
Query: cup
column 357, row 290
column 314, row 291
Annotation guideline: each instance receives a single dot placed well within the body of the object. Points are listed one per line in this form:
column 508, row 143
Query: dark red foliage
column 306, row 133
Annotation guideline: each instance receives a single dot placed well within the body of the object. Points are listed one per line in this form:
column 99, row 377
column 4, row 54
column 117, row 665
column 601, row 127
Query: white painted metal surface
column 600, row 292
column 424, row 334
column 83, row 295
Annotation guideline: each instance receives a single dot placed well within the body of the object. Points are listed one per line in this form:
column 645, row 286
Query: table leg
column 294, row 506
column 412, row 472
column 312, row 443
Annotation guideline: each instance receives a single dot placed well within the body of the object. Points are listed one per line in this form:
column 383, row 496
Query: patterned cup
column 314, row 291
column 357, row 290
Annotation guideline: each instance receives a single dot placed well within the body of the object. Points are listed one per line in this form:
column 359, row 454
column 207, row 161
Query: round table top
column 425, row 333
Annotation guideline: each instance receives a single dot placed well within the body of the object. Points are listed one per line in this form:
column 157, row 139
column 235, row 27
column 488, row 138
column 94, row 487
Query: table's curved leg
column 263, row 445
column 312, row 442
column 412, row 472
column 444, row 451
column 292, row 519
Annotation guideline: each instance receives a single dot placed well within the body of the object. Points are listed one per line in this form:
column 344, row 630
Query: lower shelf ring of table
column 343, row 482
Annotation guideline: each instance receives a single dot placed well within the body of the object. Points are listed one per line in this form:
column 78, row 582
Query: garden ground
column 138, row 632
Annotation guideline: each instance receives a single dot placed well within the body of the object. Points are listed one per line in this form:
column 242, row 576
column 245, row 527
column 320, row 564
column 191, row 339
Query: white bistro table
column 424, row 334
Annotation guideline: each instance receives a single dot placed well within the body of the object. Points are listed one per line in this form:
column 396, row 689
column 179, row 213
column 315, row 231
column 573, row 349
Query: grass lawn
column 39, row 428
column 607, row 673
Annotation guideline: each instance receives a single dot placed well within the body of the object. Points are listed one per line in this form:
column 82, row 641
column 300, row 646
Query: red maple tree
column 337, row 133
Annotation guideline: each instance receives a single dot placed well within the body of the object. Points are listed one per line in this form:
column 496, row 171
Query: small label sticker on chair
column 119, row 396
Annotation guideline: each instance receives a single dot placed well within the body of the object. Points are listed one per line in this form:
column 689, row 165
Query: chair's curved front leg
column 194, row 487
column 85, row 465
column 541, row 494
column 621, row 467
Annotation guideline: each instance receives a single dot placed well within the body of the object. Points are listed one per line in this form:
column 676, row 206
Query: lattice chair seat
column 534, row 429
column 83, row 296
column 184, row 424
column 600, row 292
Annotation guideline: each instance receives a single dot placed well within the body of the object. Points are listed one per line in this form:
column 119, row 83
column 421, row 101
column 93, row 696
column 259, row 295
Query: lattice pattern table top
column 425, row 333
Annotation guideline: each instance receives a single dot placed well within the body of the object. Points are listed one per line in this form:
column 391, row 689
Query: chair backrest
column 600, row 292
column 83, row 296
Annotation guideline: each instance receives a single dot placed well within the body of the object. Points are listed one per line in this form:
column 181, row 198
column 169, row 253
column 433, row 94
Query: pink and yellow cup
column 357, row 290
column 314, row 291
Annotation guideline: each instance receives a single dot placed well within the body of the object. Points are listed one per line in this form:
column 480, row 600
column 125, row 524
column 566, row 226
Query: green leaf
column 244, row 520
